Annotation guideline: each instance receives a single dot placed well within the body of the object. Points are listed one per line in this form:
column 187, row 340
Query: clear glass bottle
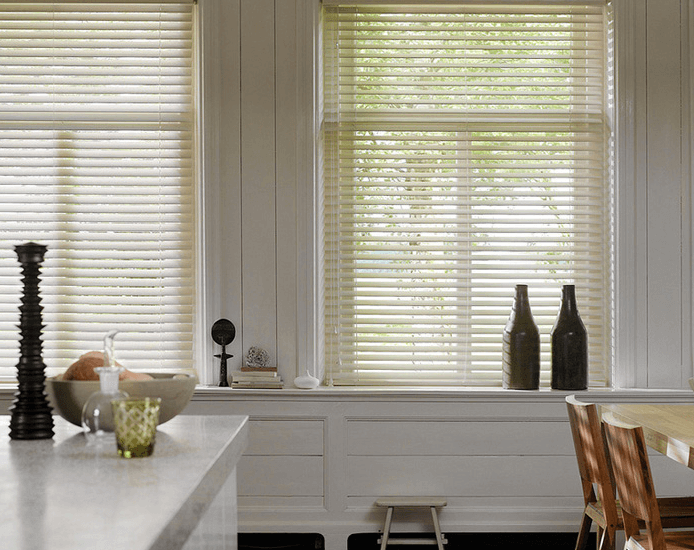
column 97, row 415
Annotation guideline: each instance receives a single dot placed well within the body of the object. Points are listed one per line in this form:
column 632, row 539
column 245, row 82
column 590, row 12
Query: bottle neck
column 568, row 299
column 522, row 303
column 108, row 378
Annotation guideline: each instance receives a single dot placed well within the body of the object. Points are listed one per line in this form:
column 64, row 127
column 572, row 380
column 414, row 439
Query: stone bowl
column 67, row 397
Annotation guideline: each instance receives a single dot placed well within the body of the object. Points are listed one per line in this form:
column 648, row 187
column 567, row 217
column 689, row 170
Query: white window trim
column 316, row 45
column 211, row 224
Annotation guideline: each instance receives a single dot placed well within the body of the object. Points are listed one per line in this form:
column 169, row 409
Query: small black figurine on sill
column 30, row 413
column 223, row 333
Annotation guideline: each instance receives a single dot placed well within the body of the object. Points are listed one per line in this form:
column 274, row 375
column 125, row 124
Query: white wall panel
column 285, row 437
column 286, row 101
column 665, row 200
column 221, row 172
column 468, row 476
column 258, row 170
column 285, row 476
column 445, row 438
column 229, row 210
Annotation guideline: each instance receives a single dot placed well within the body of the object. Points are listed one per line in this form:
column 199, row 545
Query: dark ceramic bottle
column 521, row 346
column 569, row 345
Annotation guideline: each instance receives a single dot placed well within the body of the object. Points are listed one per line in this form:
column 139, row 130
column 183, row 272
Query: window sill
column 471, row 394
column 424, row 394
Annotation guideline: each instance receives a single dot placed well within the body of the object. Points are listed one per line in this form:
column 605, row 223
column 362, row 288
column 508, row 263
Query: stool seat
column 412, row 502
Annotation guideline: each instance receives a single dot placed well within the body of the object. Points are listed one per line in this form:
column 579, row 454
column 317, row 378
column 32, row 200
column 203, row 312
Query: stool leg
column 437, row 528
column 386, row 528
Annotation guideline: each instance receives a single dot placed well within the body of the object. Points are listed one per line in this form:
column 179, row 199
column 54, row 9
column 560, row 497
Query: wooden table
column 669, row 429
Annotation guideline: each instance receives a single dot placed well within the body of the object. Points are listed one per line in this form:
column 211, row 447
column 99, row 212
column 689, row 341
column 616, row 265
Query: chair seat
column 682, row 540
column 674, row 512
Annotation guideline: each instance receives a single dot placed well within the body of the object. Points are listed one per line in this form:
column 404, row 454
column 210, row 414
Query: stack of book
column 256, row 377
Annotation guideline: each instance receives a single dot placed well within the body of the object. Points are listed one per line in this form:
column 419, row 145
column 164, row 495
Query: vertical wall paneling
column 686, row 186
column 287, row 136
column 639, row 299
column 664, row 172
column 625, row 332
column 220, row 172
column 631, row 334
column 230, row 161
column 258, row 170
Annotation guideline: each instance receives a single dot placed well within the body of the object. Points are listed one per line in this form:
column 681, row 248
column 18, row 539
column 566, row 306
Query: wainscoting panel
column 285, row 437
column 441, row 438
column 280, row 476
column 465, row 476
column 285, row 460
column 504, row 460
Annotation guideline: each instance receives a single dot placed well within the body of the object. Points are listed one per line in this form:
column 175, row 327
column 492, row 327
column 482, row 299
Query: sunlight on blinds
column 466, row 149
column 97, row 163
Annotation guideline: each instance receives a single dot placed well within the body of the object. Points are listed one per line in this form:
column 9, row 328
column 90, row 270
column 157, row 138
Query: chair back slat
column 632, row 472
column 592, row 456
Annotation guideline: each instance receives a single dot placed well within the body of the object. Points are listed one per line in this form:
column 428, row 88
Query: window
column 97, row 162
column 466, row 149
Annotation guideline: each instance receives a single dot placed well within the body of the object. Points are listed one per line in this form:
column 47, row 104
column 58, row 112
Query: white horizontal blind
column 466, row 150
column 97, row 163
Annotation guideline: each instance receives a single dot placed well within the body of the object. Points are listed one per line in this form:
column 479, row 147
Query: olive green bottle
column 569, row 345
column 521, row 346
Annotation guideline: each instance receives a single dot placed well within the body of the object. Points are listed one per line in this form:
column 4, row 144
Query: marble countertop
column 64, row 494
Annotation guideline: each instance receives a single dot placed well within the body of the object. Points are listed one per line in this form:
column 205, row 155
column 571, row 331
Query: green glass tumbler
column 135, row 420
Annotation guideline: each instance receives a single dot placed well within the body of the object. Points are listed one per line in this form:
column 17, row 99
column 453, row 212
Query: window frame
column 609, row 268
column 196, row 27
column 633, row 324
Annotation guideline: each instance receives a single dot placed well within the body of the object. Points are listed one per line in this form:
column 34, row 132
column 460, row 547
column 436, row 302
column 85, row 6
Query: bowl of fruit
column 68, row 392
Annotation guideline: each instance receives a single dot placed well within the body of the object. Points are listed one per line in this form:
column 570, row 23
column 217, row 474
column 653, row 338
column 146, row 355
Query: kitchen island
column 64, row 494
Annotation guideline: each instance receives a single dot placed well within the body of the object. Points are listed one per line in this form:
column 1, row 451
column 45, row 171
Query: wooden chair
column 596, row 473
column 632, row 472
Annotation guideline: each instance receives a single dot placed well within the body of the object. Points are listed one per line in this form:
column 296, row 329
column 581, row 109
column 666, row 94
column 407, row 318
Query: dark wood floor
column 368, row 541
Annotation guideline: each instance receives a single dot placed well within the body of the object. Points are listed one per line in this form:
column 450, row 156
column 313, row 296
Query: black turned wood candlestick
column 31, row 414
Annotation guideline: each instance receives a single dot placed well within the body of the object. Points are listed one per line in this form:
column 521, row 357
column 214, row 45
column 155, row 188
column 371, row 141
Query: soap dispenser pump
column 97, row 415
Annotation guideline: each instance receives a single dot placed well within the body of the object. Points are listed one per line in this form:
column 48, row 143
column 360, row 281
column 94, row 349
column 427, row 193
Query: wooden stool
column 412, row 502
